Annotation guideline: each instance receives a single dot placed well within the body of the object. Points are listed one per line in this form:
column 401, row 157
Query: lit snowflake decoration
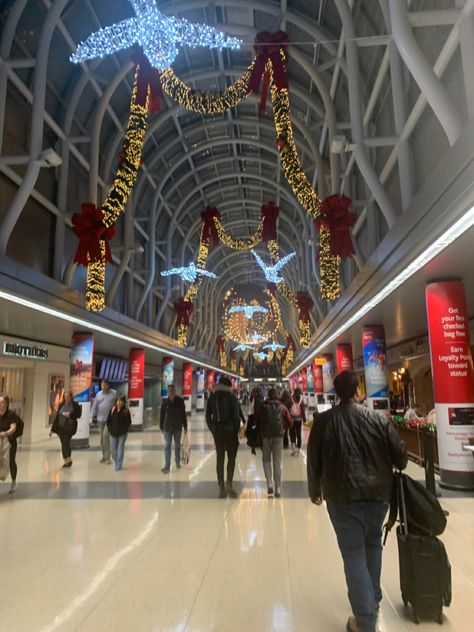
column 189, row 273
column 274, row 346
column 248, row 310
column 158, row 35
column 271, row 272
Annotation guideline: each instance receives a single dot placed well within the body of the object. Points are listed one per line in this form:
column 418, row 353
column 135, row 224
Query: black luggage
column 425, row 571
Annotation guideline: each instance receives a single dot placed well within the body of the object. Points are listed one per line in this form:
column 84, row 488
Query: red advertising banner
column 187, row 378
column 210, row 379
column 318, row 378
column 451, row 358
column 136, row 374
column 304, row 380
column 344, row 357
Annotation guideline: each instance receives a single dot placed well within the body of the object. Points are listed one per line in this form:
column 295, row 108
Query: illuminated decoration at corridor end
column 248, row 310
column 158, row 35
column 189, row 273
column 271, row 272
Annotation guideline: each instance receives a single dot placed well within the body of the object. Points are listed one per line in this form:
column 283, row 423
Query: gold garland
column 206, row 102
column 118, row 195
column 238, row 244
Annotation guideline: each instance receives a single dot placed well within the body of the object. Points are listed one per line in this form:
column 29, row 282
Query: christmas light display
column 248, row 310
column 260, row 356
column 189, row 273
column 274, row 346
column 271, row 272
column 158, row 35
column 242, row 347
column 238, row 244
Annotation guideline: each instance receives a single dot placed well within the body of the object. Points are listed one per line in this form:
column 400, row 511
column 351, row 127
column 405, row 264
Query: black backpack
column 221, row 408
column 424, row 514
column 271, row 423
column 20, row 426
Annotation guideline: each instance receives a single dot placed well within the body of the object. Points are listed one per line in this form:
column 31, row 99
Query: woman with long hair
column 65, row 425
column 118, row 423
column 297, row 412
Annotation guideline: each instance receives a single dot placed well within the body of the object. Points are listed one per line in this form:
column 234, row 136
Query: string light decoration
column 118, row 195
column 238, row 244
column 241, row 367
column 157, row 34
column 233, row 362
column 189, row 273
column 288, row 355
column 220, row 344
column 245, row 322
column 271, row 272
column 305, row 304
column 248, row 310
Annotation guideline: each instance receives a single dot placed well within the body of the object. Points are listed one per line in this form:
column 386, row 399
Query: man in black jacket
column 223, row 420
column 351, row 455
column 172, row 421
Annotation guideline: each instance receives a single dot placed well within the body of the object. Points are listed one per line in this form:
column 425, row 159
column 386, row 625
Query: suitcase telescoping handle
column 397, row 506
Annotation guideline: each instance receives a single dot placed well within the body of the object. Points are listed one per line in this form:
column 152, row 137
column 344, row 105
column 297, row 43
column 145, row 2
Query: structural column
column 453, row 380
column 304, row 385
column 375, row 365
column 200, row 389
column 310, row 378
column 187, row 386
column 328, row 377
column 167, row 375
column 318, row 383
column 80, row 382
column 136, row 387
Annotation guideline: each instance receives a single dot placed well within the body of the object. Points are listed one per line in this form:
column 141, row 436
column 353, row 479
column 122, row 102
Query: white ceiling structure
column 394, row 78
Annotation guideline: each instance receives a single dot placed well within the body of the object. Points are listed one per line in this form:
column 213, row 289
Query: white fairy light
column 271, row 272
column 158, row 35
column 189, row 273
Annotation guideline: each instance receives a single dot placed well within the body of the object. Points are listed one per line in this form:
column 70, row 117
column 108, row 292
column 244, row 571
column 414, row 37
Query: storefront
column 34, row 375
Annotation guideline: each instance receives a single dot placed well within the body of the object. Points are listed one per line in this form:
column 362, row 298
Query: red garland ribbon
column 267, row 47
column 305, row 303
column 89, row 227
column 183, row 311
column 220, row 344
column 148, row 77
column 269, row 215
column 209, row 230
column 336, row 216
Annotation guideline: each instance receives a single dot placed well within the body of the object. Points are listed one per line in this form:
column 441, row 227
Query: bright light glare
column 451, row 234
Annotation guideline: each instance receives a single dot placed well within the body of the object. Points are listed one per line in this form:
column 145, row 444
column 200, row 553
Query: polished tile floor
column 93, row 550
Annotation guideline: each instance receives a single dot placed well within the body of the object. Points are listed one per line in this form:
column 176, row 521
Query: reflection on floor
column 91, row 549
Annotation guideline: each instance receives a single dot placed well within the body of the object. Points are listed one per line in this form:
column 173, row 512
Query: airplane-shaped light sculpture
column 271, row 272
column 260, row 356
column 242, row 347
column 189, row 273
column 157, row 34
column 256, row 339
column 274, row 346
column 248, row 310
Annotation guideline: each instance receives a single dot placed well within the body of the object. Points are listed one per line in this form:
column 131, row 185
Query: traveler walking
column 272, row 420
column 9, row 422
column 286, row 400
column 222, row 417
column 65, row 425
column 297, row 412
column 351, row 455
column 118, row 424
column 172, row 421
column 100, row 409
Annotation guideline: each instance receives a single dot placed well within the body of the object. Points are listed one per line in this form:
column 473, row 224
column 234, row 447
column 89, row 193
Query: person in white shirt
column 100, row 409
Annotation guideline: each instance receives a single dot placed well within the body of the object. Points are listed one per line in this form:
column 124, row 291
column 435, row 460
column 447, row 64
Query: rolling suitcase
column 425, row 571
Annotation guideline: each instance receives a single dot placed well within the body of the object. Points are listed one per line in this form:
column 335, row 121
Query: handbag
column 185, row 450
column 4, row 458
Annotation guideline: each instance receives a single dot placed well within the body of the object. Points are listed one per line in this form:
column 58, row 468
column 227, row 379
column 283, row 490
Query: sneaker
column 165, row 470
column 277, row 492
column 102, row 460
column 13, row 487
column 270, row 491
column 352, row 625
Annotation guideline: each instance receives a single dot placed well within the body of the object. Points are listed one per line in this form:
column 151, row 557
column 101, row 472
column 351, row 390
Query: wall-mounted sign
column 24, row 351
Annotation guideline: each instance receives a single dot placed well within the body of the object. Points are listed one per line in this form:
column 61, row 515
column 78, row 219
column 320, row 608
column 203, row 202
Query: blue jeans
column 358, row 527
column 117, row 447
column 177, row 447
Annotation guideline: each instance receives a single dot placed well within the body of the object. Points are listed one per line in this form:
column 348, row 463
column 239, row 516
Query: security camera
column 50, row 158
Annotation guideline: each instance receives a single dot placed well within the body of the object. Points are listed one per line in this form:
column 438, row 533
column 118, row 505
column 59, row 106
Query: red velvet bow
column 183, row 311
column 89, row 227
column 337, row 217
column 148, row 77
column 267, row 47
column 209, row 230
column 269, row 216
column 305, row 303
column 220, row 344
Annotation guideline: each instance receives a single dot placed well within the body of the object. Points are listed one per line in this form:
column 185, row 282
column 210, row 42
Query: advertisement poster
column 373, row 345
column 328, row 375
column 187, row 385
column 80, row 382
column 310, row 379
column 453, row 379
column 167, row 376
column 318, row 378
column 56, row 395
column 304, row 380
column 210, row 380
column 136, row 385
column 200, row 389
column 344, row 357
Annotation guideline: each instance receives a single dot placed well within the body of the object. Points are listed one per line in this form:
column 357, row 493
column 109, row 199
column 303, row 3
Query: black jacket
column 118, row 422
column 351, row 454
column 222, row 410
column 173, row 415
column 72, row 421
